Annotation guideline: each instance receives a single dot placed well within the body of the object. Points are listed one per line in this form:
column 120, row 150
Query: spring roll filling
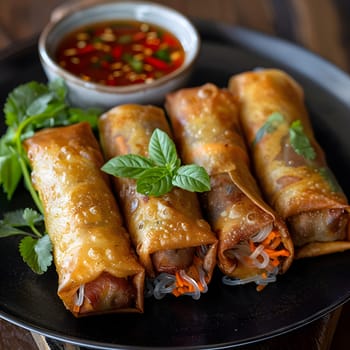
column 105, row 293
column 261, row 279
column 319, row 226
column 264, row 251
column 191, row 280
column 171, row 260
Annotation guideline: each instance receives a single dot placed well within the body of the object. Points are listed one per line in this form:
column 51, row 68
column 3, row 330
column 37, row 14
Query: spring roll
column 254, row 244
column 98, row 271
column 290, row 164
column 172, row 240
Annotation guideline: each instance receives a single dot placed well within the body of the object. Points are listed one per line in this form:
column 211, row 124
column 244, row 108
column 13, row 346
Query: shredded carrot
column 275, row 253
column 270, row 243
column 275, row 262
column 272, row 235
column 274, row 244
column 251, row 245
column 182, row 286
column 76, row 308
column 260, row 287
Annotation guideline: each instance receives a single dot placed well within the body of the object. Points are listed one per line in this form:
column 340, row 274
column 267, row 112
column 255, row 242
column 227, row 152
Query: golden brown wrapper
column 91, row 247
column 168, row 222
column 207, row 132
column 293, row 175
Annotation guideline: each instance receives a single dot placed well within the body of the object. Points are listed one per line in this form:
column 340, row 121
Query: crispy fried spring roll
column 173, row 241
column 290, row 164
column 97, row 269
column 254, row 244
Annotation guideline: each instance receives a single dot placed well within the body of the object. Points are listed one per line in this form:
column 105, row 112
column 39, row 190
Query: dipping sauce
column 120, row 53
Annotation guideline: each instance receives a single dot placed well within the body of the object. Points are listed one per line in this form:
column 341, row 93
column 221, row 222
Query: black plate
column 225, row 316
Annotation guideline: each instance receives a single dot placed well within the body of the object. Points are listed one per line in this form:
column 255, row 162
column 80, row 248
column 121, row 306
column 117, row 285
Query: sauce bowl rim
column 62, row 14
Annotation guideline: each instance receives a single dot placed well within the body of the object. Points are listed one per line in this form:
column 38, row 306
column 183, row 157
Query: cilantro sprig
column 300, row 141
column 35, row 246
column 273, row 121
column 161, row 171
column 28, row 108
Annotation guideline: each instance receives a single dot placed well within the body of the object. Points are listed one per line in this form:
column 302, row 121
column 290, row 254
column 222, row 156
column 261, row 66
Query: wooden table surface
column 322, row 26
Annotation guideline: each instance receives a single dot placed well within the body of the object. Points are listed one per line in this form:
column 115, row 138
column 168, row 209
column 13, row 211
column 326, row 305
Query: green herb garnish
column 135, row 64
column 163, row 54
column 157, row 174
column 271, row 124
column 125, row 39
column 300, row 142
column 327, row 174
column 28, row 108
column 35, row 247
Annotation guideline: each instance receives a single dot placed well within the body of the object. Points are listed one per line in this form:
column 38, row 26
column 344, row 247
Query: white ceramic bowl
column 86, row 94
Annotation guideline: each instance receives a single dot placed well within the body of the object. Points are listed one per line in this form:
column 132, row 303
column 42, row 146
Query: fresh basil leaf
column 154, row 182
column 300, row 142
column 36, row 253
column 192, row 178
column 162, row 149
column 130, row 165
column 271, row 124
column 157, row 174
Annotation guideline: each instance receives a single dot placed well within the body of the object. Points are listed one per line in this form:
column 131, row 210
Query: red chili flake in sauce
column 120, row 53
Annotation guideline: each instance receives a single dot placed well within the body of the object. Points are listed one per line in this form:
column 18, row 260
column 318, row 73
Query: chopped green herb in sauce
column 120, row 53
